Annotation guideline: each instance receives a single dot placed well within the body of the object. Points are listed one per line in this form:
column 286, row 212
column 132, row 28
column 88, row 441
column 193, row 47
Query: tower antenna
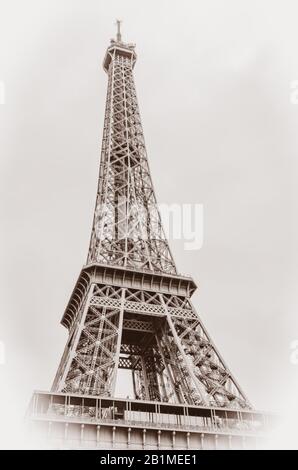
column 118, row 24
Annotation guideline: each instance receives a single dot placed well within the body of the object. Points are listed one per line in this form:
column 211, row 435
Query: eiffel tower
column 130, row 309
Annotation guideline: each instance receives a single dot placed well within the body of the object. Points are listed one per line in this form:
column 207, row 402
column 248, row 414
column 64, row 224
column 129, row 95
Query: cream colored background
column 213, row 81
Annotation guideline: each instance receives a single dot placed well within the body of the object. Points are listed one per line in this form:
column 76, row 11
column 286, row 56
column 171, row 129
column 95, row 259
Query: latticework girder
column 127, row 229
column 168, row 350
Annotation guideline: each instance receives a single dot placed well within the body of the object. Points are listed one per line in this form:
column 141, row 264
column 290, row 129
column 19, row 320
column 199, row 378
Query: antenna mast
column 118, row 37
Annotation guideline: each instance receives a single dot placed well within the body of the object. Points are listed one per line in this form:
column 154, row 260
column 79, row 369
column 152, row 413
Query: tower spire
column 118, row 37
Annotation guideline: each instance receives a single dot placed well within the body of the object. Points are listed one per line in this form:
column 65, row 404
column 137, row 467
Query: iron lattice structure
column 127, row 229
column 130, row 309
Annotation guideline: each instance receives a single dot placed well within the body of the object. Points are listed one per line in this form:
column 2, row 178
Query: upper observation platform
column 119, row 49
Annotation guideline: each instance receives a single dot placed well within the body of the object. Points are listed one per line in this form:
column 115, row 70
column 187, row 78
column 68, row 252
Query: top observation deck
column 119, row 49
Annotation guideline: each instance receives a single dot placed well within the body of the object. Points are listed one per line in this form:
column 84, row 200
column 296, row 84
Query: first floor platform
column 69, row 421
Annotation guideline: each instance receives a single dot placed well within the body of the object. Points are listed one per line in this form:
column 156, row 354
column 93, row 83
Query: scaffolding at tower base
column 59, row 420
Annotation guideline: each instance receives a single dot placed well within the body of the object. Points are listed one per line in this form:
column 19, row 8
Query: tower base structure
column 70, row 421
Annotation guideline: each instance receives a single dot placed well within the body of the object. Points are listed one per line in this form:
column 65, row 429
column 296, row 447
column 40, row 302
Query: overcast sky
column 214, row 83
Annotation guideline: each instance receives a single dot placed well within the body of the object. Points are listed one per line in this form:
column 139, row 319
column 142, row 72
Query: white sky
column 213, row 81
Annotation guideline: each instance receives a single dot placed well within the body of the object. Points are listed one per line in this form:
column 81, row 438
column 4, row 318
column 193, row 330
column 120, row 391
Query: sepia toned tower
column 131, row 309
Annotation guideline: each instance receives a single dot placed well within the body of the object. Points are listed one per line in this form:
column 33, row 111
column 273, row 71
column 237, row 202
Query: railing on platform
column 121, row 412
